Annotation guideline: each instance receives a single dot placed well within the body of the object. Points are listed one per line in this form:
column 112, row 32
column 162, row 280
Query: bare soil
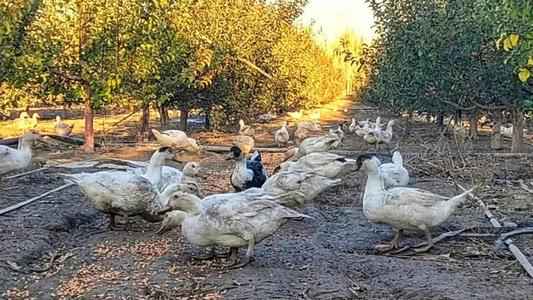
column 60, row 247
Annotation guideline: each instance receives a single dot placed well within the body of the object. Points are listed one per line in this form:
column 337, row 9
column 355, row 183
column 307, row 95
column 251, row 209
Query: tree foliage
column 228, row 58
column 438, row 56
column 515, row 18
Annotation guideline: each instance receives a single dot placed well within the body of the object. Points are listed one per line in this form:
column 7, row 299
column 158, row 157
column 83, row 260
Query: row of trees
column 226, row 58
column 453, row 57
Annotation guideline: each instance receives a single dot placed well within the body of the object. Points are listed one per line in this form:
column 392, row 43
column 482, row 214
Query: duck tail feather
column 397, row 158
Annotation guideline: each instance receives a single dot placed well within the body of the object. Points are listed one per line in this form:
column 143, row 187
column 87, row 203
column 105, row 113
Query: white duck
column 353, row 126
column 394, row 174
column 281, row 136
column 507, row 131
column 305, row 130
column 62, row 128
column 403, row 207
column 20, row 158
column 120, row 193
column 25, row 123
column 176, row 139
column 378, row 136
column 245, row 129
column 322, row 163
column 227, row 221
column 322, row 143
column 191, row 172
column 308, row 183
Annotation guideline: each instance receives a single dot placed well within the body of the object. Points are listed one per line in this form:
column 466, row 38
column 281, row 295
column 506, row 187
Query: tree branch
column 253, row 66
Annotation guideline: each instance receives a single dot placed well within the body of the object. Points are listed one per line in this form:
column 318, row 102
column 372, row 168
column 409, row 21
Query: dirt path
column 330, row 257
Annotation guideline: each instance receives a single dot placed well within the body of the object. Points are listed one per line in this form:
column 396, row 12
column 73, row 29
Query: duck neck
column 389, row 128
column 374, row 183
column 241, row 164
column 25, row 146
column 153, row 171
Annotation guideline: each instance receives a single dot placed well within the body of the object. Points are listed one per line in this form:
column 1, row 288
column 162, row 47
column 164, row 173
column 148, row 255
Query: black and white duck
column 247, row 173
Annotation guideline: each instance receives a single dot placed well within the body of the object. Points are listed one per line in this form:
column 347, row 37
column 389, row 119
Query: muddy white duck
column 191, row 172
column 403, row 207
column 176, row 139
column 247, row 173
column 243, row 142
column 281, row 136
column 227, row 221
column 120, row 193
column 322, row 163
column 322, row 143
column 245, row 129
column 116, row 192
column 394, row 173
column 20, row 158
column 62, row 128
column 309, row 184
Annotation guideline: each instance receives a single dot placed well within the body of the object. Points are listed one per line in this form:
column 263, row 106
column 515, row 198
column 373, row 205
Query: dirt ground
column 60, row 247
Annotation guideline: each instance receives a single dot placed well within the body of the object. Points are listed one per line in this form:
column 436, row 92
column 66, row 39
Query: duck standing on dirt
column 125, row 193
column 227, row 221
column 305, row 130
column 378, row 136
column 281, row 136
column 20, row 158
column 247, row 173
column 403, row 207
column 245, row 129
column 62, row 128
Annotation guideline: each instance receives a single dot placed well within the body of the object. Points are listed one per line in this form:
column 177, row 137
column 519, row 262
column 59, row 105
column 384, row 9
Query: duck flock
column 261, row 203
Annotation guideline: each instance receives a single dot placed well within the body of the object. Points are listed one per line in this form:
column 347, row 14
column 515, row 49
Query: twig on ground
column 24, row 203
column 25, row 173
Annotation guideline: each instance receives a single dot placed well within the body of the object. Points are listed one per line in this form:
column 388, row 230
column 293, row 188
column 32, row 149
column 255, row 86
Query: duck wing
column 259, row 173
column 411, row 196
column 123, row 191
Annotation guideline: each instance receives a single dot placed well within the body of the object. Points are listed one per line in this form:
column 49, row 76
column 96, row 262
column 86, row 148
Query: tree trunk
column 145, row 122
column 518, row 134
column 458, row 118
column 163, row 116
column 440, row 119
column 184, row 117
column 207, row 120
column 88, row 116
column 473, row 118
column 496, row 139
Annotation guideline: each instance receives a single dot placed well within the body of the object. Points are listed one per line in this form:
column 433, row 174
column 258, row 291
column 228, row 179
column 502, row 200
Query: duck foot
column 209, row 256
column 422, row 249
column 245, row 261
column 384, row 247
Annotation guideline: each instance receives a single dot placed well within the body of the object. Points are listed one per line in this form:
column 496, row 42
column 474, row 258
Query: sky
column 333, row 17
